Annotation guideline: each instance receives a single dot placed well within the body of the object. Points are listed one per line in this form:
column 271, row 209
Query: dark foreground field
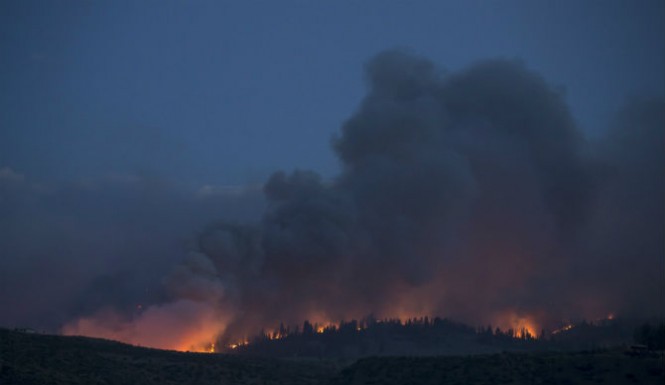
column 43, row 359
column 46, row 359
column 511, row 368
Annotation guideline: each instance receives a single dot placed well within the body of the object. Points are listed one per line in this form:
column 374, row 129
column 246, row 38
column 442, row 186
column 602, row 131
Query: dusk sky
column 224, row 93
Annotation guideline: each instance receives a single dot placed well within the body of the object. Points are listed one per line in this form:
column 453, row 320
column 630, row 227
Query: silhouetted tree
column 652, row 336
column 307, row 328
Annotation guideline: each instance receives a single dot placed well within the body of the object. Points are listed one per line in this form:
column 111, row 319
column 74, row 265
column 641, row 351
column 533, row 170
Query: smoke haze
column 468, row 194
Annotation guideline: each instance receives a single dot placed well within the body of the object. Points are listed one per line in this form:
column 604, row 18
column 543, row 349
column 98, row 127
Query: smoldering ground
column 469, row 194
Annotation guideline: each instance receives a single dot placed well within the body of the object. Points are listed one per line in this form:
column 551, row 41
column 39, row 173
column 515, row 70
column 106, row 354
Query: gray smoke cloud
column 69, row 250
column 624, row 258
column 468, row 194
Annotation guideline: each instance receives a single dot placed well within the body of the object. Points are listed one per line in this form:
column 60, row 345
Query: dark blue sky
column 224, row 93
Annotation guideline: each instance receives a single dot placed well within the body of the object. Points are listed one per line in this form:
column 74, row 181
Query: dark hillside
column 45, row 359
column 508, row 368
column 432, row 337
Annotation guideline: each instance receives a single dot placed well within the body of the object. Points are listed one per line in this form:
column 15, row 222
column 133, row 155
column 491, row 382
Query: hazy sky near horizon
column 225, row 93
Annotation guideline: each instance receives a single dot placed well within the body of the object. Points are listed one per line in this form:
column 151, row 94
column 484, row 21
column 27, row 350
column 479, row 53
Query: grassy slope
column 44, row 359
column 508, row 368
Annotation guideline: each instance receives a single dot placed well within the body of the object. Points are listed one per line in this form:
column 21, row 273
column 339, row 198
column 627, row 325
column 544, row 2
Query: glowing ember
column 238, row 344
column 563, row 329
column 273, row 335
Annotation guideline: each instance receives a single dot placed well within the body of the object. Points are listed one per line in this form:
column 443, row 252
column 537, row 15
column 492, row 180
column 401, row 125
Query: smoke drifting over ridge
column 470, row 195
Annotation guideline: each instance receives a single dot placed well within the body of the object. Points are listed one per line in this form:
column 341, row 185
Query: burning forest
column 468, row 195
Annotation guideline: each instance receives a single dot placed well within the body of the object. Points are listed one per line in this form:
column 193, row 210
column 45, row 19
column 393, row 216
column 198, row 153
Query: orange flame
column 323, row 327
column 523, row 326
column 182, row 326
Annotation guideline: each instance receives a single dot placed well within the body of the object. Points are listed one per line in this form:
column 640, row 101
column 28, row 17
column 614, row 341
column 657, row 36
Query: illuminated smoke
column 182, row 325
column 470, row 195
column 189, row 323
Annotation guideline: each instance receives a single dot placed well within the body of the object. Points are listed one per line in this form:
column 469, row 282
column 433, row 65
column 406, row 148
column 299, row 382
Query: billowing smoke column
column 469, row 195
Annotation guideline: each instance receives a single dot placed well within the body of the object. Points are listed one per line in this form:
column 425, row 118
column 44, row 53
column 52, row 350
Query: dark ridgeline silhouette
column 34, row 358
column 428, row 336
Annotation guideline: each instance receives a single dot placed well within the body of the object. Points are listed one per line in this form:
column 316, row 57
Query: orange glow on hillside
column 195, row 327
column 182, row 326
column 211, row 348
column 563, row 329
column 523, row 326
column 238, row 344
column 328, row 326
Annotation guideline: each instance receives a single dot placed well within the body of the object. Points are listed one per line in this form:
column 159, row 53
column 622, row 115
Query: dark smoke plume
column 470, row 195
column 466, row 195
